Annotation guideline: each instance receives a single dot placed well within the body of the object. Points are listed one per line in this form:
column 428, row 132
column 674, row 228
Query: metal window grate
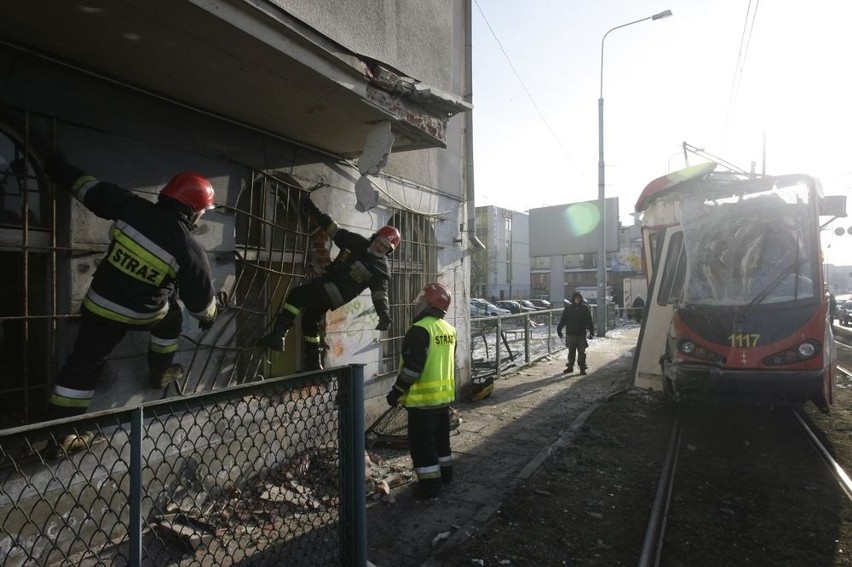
column 413, row 265
column 31, row 256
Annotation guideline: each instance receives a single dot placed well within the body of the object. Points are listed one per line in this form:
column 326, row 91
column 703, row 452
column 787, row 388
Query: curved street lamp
column 601, row 274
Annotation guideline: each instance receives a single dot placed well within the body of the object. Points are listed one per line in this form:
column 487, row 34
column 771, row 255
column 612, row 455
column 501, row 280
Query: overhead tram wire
column 532, row 100
column 742, row 54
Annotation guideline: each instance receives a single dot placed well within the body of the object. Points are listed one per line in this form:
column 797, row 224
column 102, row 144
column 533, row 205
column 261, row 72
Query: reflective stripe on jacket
column 150, row 257
column 436, row 385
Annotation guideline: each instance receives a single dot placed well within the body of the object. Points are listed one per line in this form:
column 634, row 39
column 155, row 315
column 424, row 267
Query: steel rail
column 654, row 533
column 838, row 472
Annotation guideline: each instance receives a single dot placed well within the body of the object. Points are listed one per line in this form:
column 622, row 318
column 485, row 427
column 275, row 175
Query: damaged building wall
column 139, row 142
column 397, row 36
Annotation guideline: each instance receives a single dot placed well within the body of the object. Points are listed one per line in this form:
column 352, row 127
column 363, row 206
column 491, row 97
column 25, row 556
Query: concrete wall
column 399, row 34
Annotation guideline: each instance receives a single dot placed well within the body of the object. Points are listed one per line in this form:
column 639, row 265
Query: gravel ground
column 534, row 491
column 588, row 504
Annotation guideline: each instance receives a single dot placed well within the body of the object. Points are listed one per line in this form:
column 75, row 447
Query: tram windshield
column 750, row 248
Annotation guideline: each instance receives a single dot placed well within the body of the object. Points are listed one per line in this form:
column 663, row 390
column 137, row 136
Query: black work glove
column 591, row 334
column 384, row 322
column 561, row 336
column 393, row 397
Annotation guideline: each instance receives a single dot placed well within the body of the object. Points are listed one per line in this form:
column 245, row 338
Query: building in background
column 838, row 279
column 502, row 269
column 556, row 277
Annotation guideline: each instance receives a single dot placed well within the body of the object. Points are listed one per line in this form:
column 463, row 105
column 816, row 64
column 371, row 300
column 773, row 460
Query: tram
column 737, row 304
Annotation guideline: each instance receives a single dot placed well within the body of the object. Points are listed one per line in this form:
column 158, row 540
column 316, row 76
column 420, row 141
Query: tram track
column 653, row 552
column 745, row 488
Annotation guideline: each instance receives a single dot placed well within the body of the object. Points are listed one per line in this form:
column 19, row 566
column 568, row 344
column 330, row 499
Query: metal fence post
column 497, row 346
column 353, row 497
column 135, row 551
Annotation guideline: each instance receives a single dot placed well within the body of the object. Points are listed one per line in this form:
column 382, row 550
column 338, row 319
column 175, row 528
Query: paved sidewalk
column 501, row 441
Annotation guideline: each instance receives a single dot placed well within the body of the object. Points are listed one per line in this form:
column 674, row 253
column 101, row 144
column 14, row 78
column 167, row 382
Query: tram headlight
column 807, row 349
column 803, row 351
column 687, row 347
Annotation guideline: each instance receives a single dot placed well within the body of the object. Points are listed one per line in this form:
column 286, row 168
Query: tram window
column 674, row 271
column 653, row 241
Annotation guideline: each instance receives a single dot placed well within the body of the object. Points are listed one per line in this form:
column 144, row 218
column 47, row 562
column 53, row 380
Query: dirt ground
column 588, row 502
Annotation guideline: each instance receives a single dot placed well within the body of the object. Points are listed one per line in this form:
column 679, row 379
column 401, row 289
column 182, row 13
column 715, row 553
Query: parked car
column 542, row 303
column 844, row 313
column 477, row 311
column 490, row 308
column 515, row 307
column 530, row 305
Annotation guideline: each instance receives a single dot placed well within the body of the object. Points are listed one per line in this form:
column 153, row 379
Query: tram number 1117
column 744, row 340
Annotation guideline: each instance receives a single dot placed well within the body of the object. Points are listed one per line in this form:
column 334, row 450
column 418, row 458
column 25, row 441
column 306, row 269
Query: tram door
column 664, row 247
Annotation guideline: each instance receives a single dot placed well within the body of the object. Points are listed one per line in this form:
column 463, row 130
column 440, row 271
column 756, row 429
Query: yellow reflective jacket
column 436, row 385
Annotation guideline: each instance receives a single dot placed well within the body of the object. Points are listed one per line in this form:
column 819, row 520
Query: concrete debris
column 366, row 197
column 440, row 537
column 304, row 485
column 376, row 149
column 382, row 477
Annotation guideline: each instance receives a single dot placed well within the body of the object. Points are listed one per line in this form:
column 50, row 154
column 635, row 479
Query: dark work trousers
column 429, row 443
column 77, row 380
column 310, row 299
column 576, row 350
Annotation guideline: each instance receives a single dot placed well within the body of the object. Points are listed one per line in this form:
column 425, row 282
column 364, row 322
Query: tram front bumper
column 686, row 379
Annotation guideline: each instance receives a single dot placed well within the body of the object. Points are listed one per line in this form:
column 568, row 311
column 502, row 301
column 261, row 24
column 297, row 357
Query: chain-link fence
column 269, row 473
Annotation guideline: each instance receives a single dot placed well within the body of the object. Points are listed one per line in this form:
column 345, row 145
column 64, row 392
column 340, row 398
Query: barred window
column 29, row 254
column 413, row 265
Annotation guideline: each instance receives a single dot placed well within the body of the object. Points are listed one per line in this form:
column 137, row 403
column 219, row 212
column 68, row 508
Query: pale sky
column 718, row 74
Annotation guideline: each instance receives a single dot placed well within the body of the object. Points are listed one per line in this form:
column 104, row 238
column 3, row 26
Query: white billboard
column 573, row 228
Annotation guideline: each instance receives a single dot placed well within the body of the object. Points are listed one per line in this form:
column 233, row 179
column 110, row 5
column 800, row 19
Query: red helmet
column 190, row 189
column 390, row 235
column 437, row 295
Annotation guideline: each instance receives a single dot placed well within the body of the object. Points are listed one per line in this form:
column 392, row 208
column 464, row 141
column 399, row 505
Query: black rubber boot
column 446, row 474
column 161, row 379
column 427, row 488
column 313, row 357
column 275, row 339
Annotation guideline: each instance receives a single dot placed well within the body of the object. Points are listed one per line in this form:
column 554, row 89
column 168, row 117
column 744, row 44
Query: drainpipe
column 468, row 128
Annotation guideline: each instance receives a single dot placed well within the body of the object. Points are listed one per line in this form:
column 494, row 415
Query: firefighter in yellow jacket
column 426, row 386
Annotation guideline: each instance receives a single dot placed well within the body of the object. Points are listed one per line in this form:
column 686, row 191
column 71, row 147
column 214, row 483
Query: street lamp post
column 601, row 274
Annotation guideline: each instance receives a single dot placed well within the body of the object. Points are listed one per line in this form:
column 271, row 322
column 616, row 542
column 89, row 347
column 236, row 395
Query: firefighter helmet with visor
column 390, row 236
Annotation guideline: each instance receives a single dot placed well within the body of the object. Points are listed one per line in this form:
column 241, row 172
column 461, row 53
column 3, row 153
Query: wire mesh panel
column 250, row 475
column 500, row 343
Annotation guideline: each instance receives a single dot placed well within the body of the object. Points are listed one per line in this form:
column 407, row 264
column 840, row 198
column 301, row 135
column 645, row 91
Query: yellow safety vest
column 436, row 385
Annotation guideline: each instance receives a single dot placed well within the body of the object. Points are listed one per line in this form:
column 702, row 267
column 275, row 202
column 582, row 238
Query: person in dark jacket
column 638, row 308
column 151, row 256
column 361, row 264
column 426, row 386
column 832, row 307
column 576, row 320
